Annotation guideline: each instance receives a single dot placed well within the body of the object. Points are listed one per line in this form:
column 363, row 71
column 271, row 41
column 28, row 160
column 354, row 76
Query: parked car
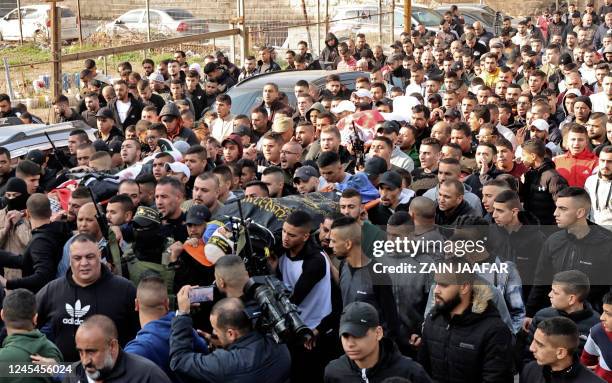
column 477, row 12
column 247, row 94
column 165, row 21
column 19, row 139
column 36, row 23
column 368, row 20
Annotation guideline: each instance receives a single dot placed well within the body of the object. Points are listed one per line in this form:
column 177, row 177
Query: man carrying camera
column 245, row 355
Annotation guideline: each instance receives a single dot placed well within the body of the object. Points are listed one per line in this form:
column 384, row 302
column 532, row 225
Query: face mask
column 17, row 203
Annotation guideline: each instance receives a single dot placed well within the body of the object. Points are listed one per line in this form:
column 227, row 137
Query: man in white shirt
column 222, row 126
column 599, row 187
column 602, row 99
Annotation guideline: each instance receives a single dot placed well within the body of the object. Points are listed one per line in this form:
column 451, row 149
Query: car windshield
column 179, row 14
column 427, row 17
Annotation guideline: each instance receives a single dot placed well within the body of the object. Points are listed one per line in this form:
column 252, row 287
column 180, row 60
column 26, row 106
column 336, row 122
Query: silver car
column 364, row 19
column 166, row 21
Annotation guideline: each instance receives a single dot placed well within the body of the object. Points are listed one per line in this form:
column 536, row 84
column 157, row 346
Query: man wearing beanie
column 15, row 230
column 582, row 109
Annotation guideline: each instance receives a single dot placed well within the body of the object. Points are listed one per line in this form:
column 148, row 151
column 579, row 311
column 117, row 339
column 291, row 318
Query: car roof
column 20, row 139
column 286, row 79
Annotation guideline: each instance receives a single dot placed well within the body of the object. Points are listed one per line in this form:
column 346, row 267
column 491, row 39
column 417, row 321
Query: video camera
column 275, row 313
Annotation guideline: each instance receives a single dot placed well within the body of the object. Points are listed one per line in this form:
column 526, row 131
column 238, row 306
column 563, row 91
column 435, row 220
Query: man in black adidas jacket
column 40, row 258
column 88, row 288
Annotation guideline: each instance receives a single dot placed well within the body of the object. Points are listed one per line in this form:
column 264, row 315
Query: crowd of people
column 456, row 135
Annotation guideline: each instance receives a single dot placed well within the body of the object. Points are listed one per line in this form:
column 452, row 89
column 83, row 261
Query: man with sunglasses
column 171, row 118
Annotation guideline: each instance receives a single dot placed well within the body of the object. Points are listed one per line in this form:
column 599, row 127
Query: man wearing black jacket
column 88, row 288
column 464, row 338
column 368, row 353
column 195, row 93
column 41, row 256
column 554, row 345
column 126, row 108
column 541, row 183
column 579, row 245
column 103, row 360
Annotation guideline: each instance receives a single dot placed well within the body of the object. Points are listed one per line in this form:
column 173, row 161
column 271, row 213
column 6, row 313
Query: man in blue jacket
column 153, row 340
column 245, row 355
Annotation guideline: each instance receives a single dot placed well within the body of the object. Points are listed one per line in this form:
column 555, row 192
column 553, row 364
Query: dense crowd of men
column 457, row 135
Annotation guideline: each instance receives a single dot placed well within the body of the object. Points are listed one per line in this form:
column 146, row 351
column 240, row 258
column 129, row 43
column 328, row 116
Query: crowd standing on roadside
column 456, row 135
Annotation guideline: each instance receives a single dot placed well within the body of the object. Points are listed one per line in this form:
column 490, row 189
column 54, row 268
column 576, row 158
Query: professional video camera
column 275, row 313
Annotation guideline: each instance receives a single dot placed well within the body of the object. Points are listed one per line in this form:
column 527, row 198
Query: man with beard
column 451, row 203
column 305, row 135
column 323, row 238
column 393, row 198
column 126, row 108
column 358, row 278
column 541, row 182
column 599, row 187
column 306, row 179
column 485, row 159
column 579, row 162
column 169, row 194
column 206, row 192
column 63, row 111
column 596, row 129
column 92, row 104
column 464, row 319
column 103, row 360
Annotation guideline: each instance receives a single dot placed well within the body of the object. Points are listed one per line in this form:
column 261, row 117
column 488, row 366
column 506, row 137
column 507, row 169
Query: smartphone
column 201, row 294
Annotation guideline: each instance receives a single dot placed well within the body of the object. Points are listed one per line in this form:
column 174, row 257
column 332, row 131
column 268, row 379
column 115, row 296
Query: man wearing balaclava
column 15, row 230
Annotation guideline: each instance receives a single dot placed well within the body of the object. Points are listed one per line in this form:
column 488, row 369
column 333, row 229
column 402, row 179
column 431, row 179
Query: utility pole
column 56, row 50
column 407, row 15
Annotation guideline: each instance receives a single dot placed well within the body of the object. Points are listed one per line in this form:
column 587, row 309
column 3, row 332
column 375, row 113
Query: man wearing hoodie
column 579, row 162
column 329, row 54
column 88, row 288
column 464, row 338
column 153, row 340
column 24, row 342
column 40, row 258
column 485, row 159
column 369, row 355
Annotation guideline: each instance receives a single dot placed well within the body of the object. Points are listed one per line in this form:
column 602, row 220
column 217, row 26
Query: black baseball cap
column 390, row 127
column 105, row 112
column 391, row 179
column 197, row 215
column 357, row 318
column 375, row 166
column 36, row 156
column 305, row 173
column 146, row 216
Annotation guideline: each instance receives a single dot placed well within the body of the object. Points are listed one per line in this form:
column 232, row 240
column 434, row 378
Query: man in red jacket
column 578, row 163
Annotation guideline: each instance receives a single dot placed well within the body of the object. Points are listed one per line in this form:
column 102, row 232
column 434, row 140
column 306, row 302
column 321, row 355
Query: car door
column 131, row 20
column 10, row 25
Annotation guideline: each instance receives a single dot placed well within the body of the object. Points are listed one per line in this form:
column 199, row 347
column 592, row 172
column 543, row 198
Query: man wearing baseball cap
column 369, row 356
column 392, row 198
column 306, row 179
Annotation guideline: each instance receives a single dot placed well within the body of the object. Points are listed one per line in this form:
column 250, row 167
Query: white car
column 364, row 19
column 167, row 21
column 36, row 23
